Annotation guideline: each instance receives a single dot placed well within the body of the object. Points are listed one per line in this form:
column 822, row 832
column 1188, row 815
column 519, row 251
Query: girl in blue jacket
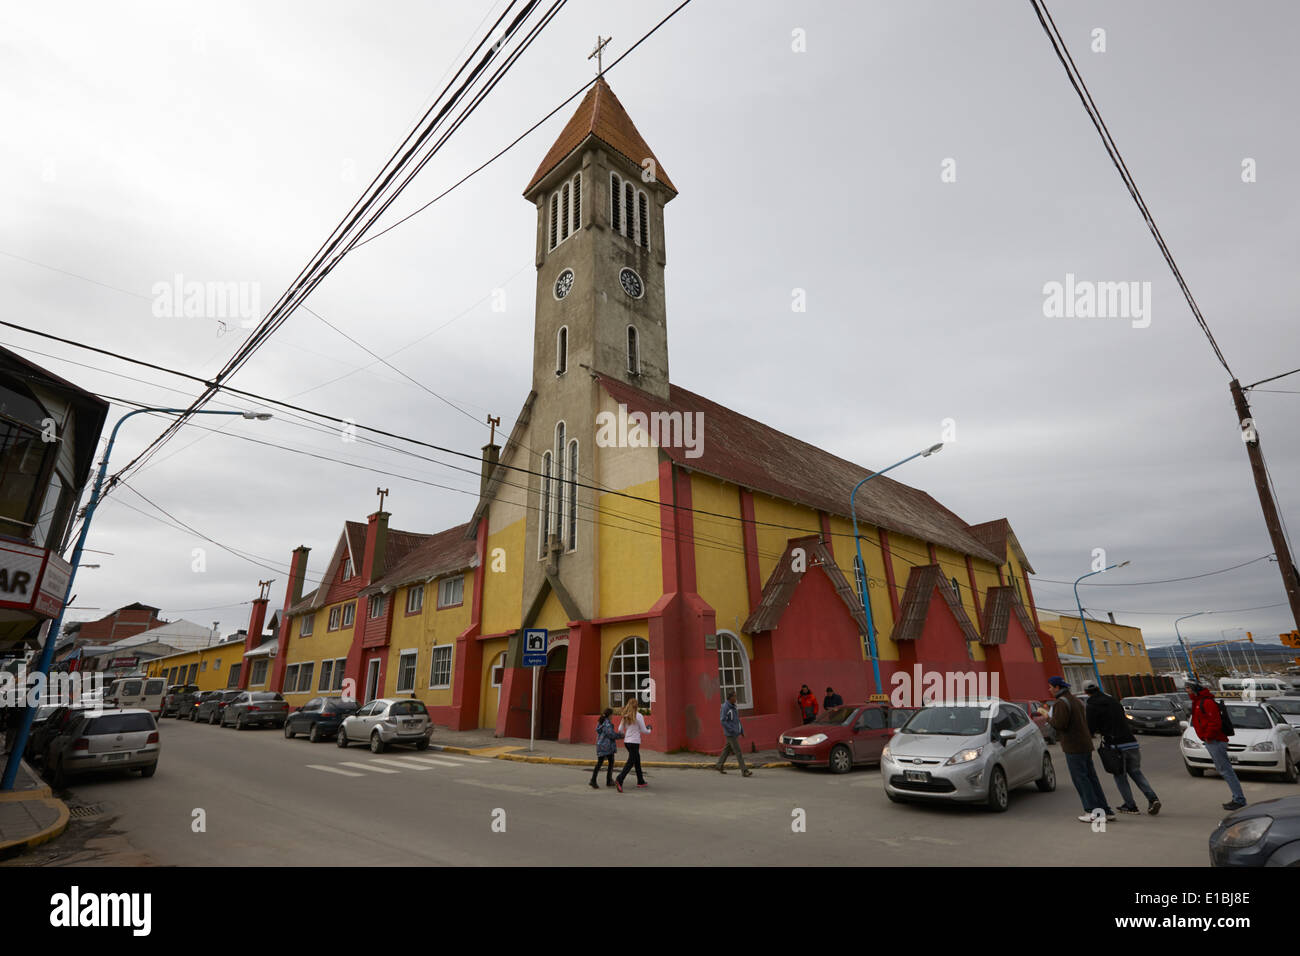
column 605, row 747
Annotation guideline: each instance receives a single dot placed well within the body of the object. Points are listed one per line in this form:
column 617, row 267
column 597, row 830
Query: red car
column 843, row 737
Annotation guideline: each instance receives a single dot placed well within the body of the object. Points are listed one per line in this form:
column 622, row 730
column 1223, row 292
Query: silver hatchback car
column 103, row 740
column 388, row 721
column 973, row 753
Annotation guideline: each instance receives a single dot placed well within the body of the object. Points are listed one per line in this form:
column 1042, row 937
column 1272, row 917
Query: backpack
column 1225, row 721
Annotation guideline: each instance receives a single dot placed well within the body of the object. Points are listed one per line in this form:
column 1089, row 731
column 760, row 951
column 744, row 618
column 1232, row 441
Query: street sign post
column 535, row 641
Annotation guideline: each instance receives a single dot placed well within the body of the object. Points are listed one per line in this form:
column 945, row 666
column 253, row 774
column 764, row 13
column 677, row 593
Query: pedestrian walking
column 832, row 699
column 1070, row 719
column 1107, row 719
column 632, row 726
column 732, row 730
column 606, row 743
column 1208, row 724
column 807, row 704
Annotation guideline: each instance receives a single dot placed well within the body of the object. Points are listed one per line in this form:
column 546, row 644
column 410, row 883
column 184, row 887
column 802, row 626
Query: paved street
column 273, row 801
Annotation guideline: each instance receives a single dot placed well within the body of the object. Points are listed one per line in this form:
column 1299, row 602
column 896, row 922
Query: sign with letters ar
column 535, row 640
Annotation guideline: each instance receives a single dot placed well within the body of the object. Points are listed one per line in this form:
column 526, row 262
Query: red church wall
column 1022, row 675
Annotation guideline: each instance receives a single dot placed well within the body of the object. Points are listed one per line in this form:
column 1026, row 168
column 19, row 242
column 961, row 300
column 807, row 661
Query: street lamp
column 47, row 652
column 860, row 569
column 1091, row 651
column 1191, row 667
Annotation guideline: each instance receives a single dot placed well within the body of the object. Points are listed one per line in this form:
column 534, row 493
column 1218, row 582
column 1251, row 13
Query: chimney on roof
column 376, row 547
column 491, row 455
column 297, row 575
column 1111, row 615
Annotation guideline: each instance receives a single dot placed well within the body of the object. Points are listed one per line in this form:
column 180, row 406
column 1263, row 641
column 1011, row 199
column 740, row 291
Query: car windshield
column 949, row 721
column 836, row 716
column 1285, row 706
column 408, row 708
column 266, row 695
column 899, row 716
column 340, row 706
column 1150, row 703
column 119, row 724
column 1245, row 717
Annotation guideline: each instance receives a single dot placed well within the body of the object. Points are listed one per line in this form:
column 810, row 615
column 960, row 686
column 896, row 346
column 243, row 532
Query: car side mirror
column 1005, row 735
column 1183, row 724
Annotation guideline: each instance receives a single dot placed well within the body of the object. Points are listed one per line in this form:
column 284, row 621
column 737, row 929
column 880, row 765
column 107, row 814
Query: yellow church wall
column 720, row 551
column 628, row 547
column 490, row 697
column 503, row 589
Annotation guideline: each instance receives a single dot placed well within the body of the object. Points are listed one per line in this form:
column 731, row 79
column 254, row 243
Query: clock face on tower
column 631, row 283
column 564, row 283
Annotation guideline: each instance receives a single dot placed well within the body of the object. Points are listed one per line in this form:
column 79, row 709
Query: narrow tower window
column 555, row 217
column 643, row 220
column 559, row 520
column 564, row 212
column 544, row 512
column 577, row 202
column 629, row 202
column 572, row 529
column 562, row 350
column 633, row 352
column 615, row 202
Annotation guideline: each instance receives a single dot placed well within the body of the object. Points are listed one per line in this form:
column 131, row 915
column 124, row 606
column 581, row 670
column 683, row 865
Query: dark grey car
column 210, row 707
column 255, row 708
column 1263, row 834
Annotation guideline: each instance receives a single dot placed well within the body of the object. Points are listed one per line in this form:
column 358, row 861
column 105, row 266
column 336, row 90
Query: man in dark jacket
column 1209, row 727
column 732, row 730
column 1071, row 722
column 832, row 699
column 1106, row 718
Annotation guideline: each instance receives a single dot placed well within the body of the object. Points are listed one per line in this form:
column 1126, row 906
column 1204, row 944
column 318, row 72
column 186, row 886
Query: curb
column 512, row 754
column 49, row 833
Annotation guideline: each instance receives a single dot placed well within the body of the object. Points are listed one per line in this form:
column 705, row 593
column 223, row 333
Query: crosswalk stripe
column 452, row 759
column 366, row 766
column 439, row 763
column 404, row 764
column 345, row 773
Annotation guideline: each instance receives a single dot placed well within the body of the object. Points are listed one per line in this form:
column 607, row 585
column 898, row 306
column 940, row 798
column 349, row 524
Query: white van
column 130, row 693
column 1252, row 688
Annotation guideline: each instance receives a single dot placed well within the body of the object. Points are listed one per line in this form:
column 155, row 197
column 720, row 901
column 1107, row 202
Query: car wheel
column 1194, row 771
column 288, row 731
column 841, row 759
column 149, row 771
column 999, row 797
column 212, row 717
column 314, row 735
column 1290, row 775
column 239, row 722
column 422, row 744
column 1047, row 782
column 376, row 743
column 342, row 738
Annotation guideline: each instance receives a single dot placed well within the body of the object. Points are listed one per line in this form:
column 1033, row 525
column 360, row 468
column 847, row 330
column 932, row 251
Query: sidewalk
column 483, row 743
column 30, row 814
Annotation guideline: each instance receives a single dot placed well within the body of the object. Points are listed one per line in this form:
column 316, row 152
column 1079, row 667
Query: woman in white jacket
column 632, row 726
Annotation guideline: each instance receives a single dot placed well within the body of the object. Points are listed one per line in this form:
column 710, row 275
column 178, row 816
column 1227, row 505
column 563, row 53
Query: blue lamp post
column 860, row 569
column 47, row 652
column 1091, row 651
column 1191, row 667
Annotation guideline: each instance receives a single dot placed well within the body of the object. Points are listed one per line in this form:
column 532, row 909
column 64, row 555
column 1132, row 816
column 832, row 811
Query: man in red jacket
column 1209, row 727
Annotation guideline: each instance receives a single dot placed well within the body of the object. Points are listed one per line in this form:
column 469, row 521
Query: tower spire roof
column 601, row 115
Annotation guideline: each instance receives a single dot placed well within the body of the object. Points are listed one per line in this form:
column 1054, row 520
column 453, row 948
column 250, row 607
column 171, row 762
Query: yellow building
column 211, row 668
column 1119, row 648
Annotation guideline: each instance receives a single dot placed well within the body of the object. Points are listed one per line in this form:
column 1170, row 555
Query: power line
column 1136, row 584
column 1112, row 150
column 1272, row 379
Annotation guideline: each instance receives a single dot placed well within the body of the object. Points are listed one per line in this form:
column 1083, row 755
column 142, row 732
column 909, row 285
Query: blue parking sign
column 535, row 641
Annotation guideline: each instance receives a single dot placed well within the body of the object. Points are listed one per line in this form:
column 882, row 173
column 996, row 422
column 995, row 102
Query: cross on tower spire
column 492, row 424
column 381, row 492
column 600, row 45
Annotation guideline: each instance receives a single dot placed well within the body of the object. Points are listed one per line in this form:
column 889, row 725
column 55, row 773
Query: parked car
column 48, row 721
column 255, row 708
column 1152, row 715
column 210, row 708
column 319, row 718
column 840, row 738
column 93, row 742
column 974, row 753
column 1288, row 707
column 192, row 713
column 387, row 721
column 1262, row 741
column 177, row 699
column 1042, row 723
column 136, row 693
column 1262, row 834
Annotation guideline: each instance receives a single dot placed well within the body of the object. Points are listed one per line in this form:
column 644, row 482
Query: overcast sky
column 222, row 141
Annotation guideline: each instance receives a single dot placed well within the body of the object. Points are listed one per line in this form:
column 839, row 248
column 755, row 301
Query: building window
column 375, row 606
column 956, row 586
column 440, row 667
column 305, row 674
column 203, row 667
column 544, row 509
column 571, row 499
column 629, row 210
column 1074, row 643
column 259, row 673
column 307, row 622
column 633, row 351
column 643, row 219
column 347, row 568
column 406, row 671
column 233, row 679
column 451, row 591
column 565, row 211
column 562, row 350
column 326, row 675
column 216, row 665
column 499, row 671
column 349, row 614
column 335, row 613
column 415, row 599
column 629, row 671
column 1106, row 644
column 339, row 664
column 733, row 669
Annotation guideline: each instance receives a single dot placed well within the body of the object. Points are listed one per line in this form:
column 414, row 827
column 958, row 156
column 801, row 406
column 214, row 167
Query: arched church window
column 733, row 669
column 629, row 672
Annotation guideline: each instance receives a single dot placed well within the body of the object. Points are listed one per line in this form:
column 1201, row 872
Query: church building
column 674, row 548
